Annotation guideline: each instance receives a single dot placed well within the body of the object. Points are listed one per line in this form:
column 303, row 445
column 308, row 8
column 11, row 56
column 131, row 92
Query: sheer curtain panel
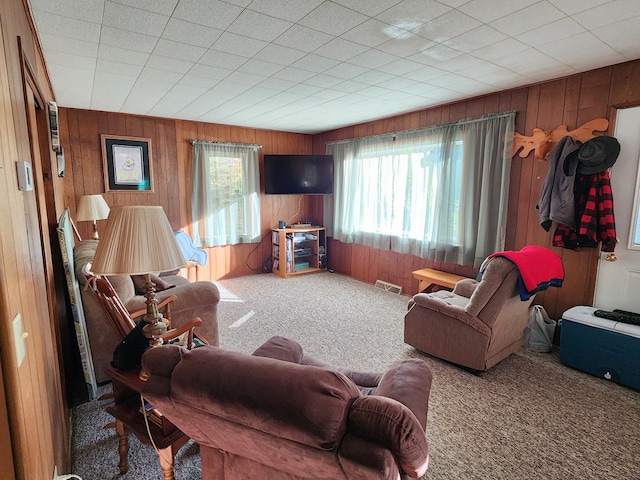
column 225, row 202
column 438, row 193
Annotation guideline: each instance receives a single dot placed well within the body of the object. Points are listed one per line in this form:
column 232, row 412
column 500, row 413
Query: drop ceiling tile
column 501, row 78
column 157, row 79
column 247, row 79
column 406, row 45
column 553, row 32
column 74, row 85
column 328, row 94
column 167, row 64
column 88, row 10
column 464, row 62
column 332, row 18
column 205, row 103
column 582, row 50
column 259, row 26
column 502, row 49
column 278, row 84
column 197, row 81
column 207, row 71
column 346, row 70
column 315, row 63
column 238, row 45
column 171, row 103
column 474, row 39
column 349, row 86
column 279, row 54
column 289, row 11
column 231, row 87
column 529, row 62
column 70, row 45
column 304, row 89
column 163, row 7
column 67, row 27
column 191, row 33
column 228, row 61
column 424, row 74
column 372, row 59
column 571, row 7
column 409, row 14
column 134, row 19
column 116, row 37
column 142, row 99
column 400, row 67
column 293, row 74
column 489, row 10
column 113, row 67
column 217, row 14
column 529, row 18
column 368, row 7
column 608, row 13
column 622, row 37
column 122, row 55
column 398, row 83
column 372, row 33
column 373, row 77
column 70, row 60
column 177, row 50
column 302, row 38
column 323, row 80
column 340, row 49
column 447, row 26
column 434, row 55
column 260, row 67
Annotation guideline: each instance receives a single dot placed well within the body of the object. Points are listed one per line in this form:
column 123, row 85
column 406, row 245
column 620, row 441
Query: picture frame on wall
column 126, row 164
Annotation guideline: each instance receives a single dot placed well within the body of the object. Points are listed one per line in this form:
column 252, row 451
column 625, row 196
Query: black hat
column 597, row 154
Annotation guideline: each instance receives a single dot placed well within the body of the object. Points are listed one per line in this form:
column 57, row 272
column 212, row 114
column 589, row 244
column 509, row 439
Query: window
column 225, row 199
column 438, row 193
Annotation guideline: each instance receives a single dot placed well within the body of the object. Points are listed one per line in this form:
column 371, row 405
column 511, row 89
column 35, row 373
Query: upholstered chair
column 278, row 414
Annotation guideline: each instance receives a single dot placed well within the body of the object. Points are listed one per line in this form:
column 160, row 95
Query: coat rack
column 544, row 142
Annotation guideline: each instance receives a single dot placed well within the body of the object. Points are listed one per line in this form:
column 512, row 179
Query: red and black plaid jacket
column 594, row 215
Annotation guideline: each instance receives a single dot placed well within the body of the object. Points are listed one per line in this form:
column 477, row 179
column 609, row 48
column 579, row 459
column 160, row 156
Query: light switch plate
column 18, row 339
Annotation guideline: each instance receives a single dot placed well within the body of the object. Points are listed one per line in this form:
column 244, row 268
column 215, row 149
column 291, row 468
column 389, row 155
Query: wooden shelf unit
column 298, row 250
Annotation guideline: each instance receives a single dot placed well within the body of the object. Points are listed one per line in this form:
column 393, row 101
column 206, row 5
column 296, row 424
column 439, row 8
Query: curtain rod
column 224, row 144
column 458, row 122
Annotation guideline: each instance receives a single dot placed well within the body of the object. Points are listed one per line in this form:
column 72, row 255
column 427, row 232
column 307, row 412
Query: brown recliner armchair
column 475, row 326
column 278, row 414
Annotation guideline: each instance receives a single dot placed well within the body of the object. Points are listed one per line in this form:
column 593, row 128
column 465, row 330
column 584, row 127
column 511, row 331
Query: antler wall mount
column 544, row 142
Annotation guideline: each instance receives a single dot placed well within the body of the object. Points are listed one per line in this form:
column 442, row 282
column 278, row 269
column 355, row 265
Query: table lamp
column 138, row 240
column 92, row 208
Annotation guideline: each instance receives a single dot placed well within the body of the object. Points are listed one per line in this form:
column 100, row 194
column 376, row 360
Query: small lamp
column 92, row 208
column 138, row 240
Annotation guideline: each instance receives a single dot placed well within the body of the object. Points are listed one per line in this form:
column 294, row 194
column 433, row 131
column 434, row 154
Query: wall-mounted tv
column 298, row 174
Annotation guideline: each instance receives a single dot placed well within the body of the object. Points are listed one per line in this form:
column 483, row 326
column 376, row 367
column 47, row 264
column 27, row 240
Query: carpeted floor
column 528, row 417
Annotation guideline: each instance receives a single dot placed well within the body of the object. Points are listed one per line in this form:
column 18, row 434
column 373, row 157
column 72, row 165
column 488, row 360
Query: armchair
column 475, row 326
column 280, row 414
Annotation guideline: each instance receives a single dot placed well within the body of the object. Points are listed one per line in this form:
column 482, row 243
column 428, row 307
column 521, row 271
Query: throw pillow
column 139, row 282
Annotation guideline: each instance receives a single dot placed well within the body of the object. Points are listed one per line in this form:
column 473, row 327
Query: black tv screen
column 298, row 174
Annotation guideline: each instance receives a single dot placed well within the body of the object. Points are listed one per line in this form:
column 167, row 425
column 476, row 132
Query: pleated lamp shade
column 92, row 207
column 137, row 240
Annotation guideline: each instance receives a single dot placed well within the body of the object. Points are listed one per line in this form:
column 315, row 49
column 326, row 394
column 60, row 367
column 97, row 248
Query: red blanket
column 540, row 268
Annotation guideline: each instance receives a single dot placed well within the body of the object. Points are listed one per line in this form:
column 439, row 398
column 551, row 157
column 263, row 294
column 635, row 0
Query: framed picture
column 126, row 164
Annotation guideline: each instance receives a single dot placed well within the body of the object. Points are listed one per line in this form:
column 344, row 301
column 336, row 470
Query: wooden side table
column 167, row 438
column 429, row 276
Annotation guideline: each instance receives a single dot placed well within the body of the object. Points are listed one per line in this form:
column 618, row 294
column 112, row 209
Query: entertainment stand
column 298, row 250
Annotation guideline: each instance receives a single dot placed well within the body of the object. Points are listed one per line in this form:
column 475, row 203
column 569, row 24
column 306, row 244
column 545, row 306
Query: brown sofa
column 278, row 414
column 194, row 299
column 477, row 325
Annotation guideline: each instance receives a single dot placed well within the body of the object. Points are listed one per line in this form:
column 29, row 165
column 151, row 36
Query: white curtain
column 439, row 193
column 225, row 203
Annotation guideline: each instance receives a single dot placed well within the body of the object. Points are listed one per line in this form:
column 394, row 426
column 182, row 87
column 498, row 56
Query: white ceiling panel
column 312, row 65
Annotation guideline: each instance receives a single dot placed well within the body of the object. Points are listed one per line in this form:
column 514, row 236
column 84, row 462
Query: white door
column 618, row 277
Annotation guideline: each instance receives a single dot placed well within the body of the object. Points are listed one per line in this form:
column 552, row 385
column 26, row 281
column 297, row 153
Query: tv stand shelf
column 298, row 250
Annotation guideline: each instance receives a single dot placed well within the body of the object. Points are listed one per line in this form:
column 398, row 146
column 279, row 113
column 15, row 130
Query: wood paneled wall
column 569, row 101
column 172, row 162
column 33, row 415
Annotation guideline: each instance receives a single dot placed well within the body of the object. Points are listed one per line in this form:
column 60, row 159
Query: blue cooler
column 601, row 347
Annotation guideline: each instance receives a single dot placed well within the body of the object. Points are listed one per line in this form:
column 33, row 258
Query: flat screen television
column 298, row 174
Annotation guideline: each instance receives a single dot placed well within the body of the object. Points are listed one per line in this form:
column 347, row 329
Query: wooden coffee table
column 167, row 438
column 428, row 276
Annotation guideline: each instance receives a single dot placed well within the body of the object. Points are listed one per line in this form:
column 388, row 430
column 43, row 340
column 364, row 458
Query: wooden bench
column 428, row 276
